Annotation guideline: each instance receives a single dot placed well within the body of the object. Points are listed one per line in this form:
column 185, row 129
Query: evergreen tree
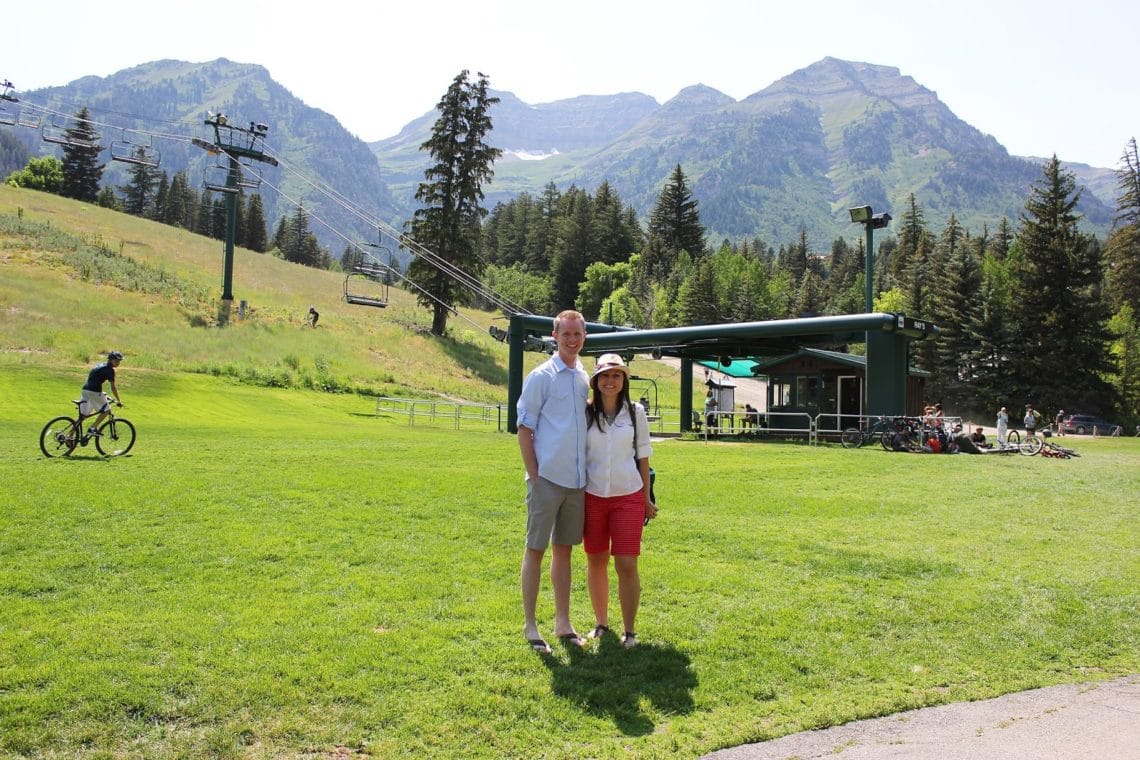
column 1001, row 241
column 575, row 249
column 674, row 226
column 218, row 219
column 697, row 296
column 448, row 224
column 841, row 273
column 1061, row 355
column 794, row 258
column 993, row 336
column 181, row 202
column 161, row 196
column 256, row 234
column 809, row 295
column 616, row 239
column 544, row 226
column 281, row 235
column 107, row 199
column 139, row 193
column 81, row 168
column 912, row 235
column 1122, row 250
column 956, row 314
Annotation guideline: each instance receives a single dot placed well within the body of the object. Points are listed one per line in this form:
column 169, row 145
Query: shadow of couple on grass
column 607, row 679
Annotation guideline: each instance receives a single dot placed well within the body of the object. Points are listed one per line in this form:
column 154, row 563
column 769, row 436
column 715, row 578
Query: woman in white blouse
column 617, row 494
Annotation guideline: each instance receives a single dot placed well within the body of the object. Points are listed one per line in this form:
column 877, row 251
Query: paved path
column 1098, row 721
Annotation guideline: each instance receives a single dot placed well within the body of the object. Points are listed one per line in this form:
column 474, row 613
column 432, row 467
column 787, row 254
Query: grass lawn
column 280, row 573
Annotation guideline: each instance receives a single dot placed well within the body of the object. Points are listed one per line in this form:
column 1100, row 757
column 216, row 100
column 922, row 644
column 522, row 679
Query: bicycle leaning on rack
column 114, row 437
column 853, row 437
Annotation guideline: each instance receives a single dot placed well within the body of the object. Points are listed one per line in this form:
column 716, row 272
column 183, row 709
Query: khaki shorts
column 94, row 402
column 553, row 514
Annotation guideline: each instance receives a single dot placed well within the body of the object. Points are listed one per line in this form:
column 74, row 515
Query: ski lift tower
column 235, row 143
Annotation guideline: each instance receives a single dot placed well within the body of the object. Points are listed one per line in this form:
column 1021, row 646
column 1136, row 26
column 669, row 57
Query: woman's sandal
column 629, row 639
column 598, row 632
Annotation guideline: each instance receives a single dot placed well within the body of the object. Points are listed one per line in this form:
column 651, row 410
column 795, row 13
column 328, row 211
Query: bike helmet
column 115, row 355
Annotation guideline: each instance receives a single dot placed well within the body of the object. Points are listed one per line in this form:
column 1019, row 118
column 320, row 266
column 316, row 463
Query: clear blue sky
column 1042, row 77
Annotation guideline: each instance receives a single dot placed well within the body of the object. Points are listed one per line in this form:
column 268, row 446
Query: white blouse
column 610, row 466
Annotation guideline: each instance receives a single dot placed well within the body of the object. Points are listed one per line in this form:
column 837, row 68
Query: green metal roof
column 755, row 366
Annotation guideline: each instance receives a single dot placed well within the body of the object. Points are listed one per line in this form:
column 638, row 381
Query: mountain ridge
column 792, row 155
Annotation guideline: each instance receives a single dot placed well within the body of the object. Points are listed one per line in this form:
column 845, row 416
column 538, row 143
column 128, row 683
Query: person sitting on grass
column 978, row 438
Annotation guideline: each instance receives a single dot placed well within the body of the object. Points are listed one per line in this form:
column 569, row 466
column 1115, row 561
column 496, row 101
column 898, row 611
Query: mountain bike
column 853, row 437
column 61, row 435
column 1057, row 451
column 1028, row 446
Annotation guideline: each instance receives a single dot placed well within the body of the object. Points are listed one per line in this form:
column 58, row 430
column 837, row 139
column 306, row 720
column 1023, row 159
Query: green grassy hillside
column 79, row 280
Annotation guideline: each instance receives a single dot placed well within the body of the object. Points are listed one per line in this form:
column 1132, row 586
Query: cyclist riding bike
column 94, row 400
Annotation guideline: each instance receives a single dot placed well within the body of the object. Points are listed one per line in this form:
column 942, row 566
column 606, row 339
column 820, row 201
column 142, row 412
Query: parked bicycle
column 61, row 435
column 853, row 437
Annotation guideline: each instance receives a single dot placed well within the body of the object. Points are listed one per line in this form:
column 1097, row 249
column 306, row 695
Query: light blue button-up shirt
column 553, row 405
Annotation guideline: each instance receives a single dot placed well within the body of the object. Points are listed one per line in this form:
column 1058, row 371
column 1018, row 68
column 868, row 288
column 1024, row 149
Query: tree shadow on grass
column 478, row 360
column 608, row 680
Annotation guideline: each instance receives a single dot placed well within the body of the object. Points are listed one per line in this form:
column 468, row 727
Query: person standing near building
column 1002, row 425
column 552, row 441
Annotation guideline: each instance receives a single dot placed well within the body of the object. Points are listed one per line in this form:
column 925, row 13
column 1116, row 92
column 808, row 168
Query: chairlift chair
column 217, row 177
column 54, row 132
column 8, row 115
column 28, row 118
column 365, row 286
column 134, row 151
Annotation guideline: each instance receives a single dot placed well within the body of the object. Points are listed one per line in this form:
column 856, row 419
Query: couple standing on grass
column 587, row 476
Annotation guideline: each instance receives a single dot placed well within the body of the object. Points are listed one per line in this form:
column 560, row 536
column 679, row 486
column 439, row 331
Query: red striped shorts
column 614, row 524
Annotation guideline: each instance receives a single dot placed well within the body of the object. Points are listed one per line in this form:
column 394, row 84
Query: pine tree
column 674, row 226
column 575, row 250
column 1001, row 241
column 1061, row 321
column 81, row 168
column 955, row 312
column 912, row 233
column 992, row 333
column 616, row 240
column 161, row 196
column 1122, row 250
column 697, row 296
column 448, row 224
column 256, row 234
column 139, row 194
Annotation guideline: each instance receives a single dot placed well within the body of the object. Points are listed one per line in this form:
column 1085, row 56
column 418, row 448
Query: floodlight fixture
column 860, row 213
column 879, row 221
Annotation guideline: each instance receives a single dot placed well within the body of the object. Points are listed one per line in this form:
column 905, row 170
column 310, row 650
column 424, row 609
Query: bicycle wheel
column 118, row 436
column 1030, row 446
column 886, row 438
column 1013, row 438
column 59, row 437
column 852, row 438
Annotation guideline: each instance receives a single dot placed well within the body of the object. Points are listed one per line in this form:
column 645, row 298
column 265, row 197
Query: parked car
column 1084, row 424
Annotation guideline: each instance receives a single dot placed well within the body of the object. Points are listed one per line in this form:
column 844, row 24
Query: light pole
column 870, row 222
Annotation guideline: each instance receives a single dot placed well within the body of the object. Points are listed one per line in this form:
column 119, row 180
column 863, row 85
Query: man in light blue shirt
column 552, row 439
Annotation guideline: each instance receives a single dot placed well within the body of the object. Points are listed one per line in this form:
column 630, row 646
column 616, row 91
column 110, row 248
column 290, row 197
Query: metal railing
column 779, row 423
column 434, row 411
